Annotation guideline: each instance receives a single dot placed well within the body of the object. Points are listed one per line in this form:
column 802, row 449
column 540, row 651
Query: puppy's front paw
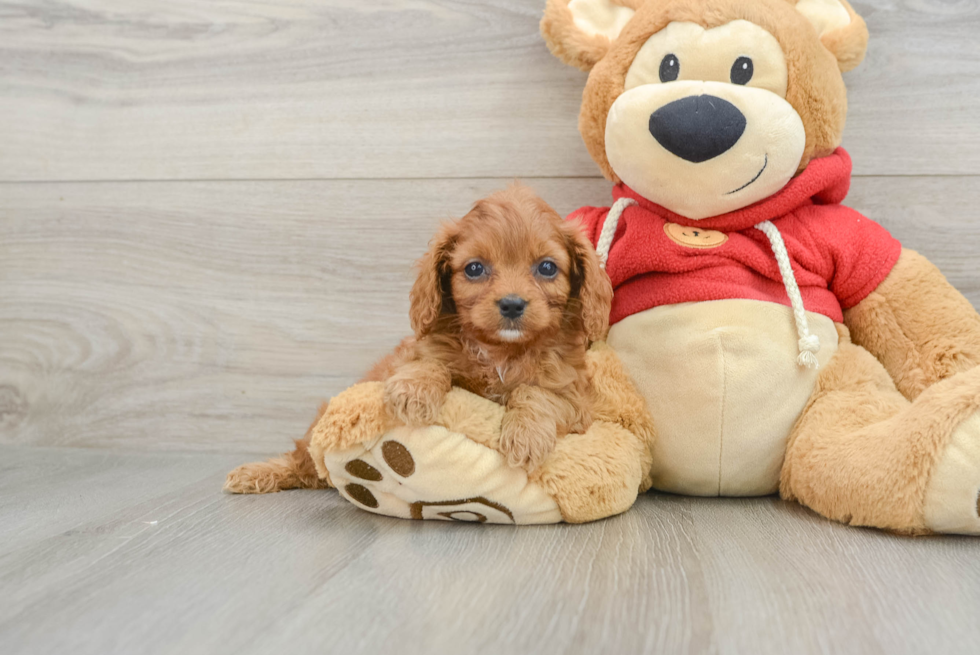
column 413, row 402
column 526, row 440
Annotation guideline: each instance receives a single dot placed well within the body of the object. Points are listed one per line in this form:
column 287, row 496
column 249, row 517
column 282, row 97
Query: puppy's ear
column 431, row 294
column 590, row 284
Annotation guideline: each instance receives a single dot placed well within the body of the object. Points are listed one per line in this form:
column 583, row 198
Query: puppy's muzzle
column 697, row 128
column 512, row 306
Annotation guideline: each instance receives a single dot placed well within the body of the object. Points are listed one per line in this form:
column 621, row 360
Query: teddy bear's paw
column 952, row 502
column 432, row 473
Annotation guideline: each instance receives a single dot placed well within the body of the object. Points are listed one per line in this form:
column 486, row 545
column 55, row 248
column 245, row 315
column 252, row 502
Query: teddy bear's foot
column 433, row 473
column 952, row 502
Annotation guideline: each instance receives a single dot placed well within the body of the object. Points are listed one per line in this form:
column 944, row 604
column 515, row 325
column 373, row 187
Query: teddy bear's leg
column 862, row 454
column 595, row 474
column 599, row 473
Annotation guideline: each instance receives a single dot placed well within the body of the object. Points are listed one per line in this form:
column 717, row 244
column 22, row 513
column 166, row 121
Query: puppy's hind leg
column 295, row 469
column 292, row 470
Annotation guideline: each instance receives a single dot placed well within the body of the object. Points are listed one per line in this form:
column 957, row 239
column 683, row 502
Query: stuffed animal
column 781, row 341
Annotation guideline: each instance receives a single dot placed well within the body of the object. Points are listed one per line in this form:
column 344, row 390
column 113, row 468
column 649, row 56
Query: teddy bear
column 764, row 337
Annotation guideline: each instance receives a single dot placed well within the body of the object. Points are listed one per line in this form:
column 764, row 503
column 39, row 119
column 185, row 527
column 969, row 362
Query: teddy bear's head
column 707, row 106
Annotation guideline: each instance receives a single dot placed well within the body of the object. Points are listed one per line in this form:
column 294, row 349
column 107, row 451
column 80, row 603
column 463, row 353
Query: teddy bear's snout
column 697, row 128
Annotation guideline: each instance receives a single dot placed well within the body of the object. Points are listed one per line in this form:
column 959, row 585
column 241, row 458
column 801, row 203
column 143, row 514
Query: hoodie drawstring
column 605, row 241
column 809, row 344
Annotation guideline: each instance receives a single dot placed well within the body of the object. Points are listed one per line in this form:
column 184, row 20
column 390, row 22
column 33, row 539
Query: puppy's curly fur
column 511, row 245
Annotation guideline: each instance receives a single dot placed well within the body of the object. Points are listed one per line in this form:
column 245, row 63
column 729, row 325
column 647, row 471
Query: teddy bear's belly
column 724, row 389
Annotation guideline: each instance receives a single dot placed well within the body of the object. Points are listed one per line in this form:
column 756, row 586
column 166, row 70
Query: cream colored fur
column 760, row 164
column 721, row 381
column 767, row 154
column 952, row 500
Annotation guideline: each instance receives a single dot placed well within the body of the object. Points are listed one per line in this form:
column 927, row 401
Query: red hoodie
column 838, row 255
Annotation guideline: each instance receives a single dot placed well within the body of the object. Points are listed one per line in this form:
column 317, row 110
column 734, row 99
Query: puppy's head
column 511, row 272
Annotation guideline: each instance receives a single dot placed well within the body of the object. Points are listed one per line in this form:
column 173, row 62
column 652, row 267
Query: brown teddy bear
column 780, row 341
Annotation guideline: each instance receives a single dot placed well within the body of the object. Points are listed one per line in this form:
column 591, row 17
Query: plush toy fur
column 816, row 89
column 890, row 435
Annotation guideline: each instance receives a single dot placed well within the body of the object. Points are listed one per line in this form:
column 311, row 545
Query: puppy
column 506, row 302
column 505, row 305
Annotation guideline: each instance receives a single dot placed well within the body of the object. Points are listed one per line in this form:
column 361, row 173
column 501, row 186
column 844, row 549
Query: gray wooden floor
column 111, row 552
column 207, row 216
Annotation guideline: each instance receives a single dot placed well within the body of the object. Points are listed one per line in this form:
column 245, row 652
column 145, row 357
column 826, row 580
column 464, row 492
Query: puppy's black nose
column 512, row 306
column 697, row 128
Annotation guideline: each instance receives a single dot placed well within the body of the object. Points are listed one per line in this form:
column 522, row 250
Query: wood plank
column 767, row 564
column 187, row 569
column 97, row 90
column 46, row 493
column 216, row 316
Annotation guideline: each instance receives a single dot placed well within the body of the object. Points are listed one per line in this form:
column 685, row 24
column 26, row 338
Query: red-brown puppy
column 505, row 305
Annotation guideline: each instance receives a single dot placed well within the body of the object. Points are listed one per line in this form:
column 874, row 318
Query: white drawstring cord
column 809, row 344
column 604, row 244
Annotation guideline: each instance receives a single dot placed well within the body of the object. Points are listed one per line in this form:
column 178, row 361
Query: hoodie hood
column 825, row 181
column 799, row 247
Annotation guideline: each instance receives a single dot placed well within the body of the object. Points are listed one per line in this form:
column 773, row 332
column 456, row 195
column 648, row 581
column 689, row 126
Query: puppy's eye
column 670, row 68
column 548, row 269
column 742, row 70
column 474, row 270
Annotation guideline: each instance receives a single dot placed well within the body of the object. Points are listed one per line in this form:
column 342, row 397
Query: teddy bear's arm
column 920, row 327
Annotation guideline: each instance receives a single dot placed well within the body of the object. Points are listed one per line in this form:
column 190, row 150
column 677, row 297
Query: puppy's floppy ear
column 590, row 284
column 431, row 294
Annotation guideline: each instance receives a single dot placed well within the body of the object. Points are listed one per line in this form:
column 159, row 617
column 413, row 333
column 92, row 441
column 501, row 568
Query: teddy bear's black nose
column 697, row 128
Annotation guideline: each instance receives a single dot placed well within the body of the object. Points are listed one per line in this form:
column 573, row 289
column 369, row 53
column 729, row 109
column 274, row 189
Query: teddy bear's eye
column 742, row 70
column 670, row 68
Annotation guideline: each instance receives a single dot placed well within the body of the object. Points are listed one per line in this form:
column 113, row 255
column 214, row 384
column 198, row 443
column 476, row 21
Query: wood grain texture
column 301, row 153
column 217, row 315
column 101, row 90
column 159, row 561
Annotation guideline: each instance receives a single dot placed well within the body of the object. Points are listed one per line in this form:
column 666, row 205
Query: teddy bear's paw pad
column 432, row 473
column 952, row 502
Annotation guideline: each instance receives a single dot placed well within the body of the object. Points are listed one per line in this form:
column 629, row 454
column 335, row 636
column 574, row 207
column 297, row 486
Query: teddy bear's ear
column 580, row 32
column 840, row 29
